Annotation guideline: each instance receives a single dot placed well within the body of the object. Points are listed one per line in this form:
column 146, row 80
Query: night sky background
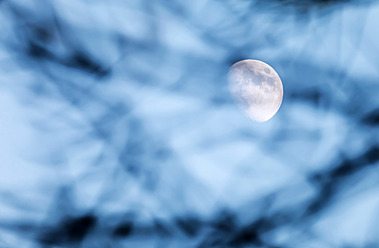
column 117, row 128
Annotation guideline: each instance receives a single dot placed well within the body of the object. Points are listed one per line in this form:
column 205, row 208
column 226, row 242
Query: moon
column 257, row 88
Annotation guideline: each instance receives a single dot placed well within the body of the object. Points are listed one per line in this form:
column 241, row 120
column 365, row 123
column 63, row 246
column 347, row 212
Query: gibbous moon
column 257, row 88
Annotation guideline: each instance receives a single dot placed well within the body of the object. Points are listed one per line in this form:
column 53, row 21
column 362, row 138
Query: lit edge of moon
column 257, row 88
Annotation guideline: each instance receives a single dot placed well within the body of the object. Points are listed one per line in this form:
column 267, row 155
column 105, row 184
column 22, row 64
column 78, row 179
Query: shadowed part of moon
column 257, row 88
